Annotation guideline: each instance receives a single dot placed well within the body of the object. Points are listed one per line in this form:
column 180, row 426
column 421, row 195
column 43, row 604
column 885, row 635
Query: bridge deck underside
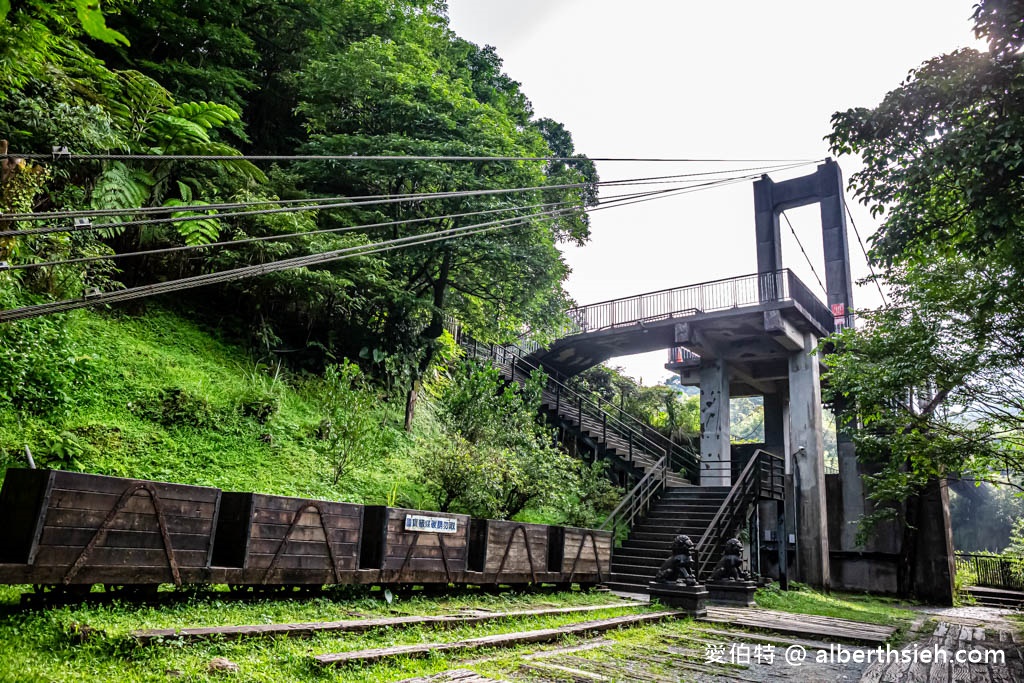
column 755, row 340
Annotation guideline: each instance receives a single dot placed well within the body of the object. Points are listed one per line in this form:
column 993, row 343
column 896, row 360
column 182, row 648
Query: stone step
column 651, row 561
column 994, row 597
column 724, row 490
column 636, row 579
column 626, row 587
column 663, row 510
column 696, row 493
column 698, row 497
column 659, row 514
column 682, row 525
column 697, row 505
column 668, row 534
column 656, row 546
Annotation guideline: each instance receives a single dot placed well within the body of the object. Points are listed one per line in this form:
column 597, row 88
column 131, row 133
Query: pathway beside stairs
column 681, row 510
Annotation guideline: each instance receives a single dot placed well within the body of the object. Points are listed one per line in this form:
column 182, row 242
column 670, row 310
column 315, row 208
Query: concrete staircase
column 607, row 434
column 997, row 597
column 610, row 442
column 681, row 510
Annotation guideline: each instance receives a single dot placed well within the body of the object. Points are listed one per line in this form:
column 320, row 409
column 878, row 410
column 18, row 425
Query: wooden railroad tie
column 546, row 635
column 807, row 625
column 153, row 636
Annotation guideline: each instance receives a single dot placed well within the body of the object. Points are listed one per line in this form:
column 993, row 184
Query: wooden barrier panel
column 283, row 540
column 586, row 555
column 414, row 546
column 76, row 528
column 508, row 552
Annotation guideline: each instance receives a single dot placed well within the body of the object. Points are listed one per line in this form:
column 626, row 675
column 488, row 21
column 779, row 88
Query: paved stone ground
column 981, row 632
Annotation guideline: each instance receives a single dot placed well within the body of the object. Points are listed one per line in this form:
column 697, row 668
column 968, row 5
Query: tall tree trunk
column 410, row 404
column 429, row 337
column 908, row 548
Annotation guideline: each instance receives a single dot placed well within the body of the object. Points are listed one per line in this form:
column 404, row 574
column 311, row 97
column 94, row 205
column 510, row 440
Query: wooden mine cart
column 69, row 528
column 278, row 540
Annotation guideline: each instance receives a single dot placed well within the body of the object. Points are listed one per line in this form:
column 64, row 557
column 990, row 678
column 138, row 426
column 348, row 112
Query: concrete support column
column 852, row 485
column 805, row 429
column 714, row 424
column 775, row 424
column 934, row 570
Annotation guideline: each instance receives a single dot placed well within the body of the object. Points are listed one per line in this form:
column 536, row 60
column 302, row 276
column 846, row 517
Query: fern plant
column 154, row 124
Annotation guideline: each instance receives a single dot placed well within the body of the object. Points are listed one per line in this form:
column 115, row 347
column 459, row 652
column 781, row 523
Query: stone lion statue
column 679, row 566
column 730, row 567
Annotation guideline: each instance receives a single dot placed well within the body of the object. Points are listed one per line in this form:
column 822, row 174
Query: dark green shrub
column 175, row 407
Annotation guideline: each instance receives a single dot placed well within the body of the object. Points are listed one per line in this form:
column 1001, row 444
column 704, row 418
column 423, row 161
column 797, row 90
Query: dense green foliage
column 932, row 384
column 233, row 76
column 983, row 516
column 359, row 337
column 496, row 459
column 159, row 397
column 664, row 407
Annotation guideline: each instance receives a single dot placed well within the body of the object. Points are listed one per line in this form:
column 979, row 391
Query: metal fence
column 718, row 295
column 994, row 571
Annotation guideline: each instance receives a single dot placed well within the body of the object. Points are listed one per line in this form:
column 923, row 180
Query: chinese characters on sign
column 839, row 315
column 439, row 525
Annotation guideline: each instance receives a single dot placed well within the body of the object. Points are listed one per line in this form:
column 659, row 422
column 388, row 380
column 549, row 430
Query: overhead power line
column 287, row 264
column 378, row 200
column 62, row 154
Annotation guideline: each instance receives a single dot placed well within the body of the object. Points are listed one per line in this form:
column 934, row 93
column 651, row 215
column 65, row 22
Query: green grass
column 46, row 644
column 858, row 607
column 42, row 644
column 159, row 397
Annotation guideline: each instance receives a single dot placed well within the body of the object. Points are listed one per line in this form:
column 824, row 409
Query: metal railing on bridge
column 706, row 297
column 993, row 571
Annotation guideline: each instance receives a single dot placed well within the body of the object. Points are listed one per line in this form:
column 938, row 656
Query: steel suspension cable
column 804, row 252
column 340, row 205
column 65, row 155
column 337, row 205
column 250, row 240
column 283, row 236
column 867, row 259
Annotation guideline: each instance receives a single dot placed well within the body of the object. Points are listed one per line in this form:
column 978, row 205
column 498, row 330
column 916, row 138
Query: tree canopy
column 932, row 385
column 230, row 77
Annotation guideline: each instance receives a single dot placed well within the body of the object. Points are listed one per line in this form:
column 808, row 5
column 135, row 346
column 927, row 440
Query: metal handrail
column 715, row 295
column 633, row 437
column 638, row 501
column 681, row 458
column 994, row 571
column 745, row 490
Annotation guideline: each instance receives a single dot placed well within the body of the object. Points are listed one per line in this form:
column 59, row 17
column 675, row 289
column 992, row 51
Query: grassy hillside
column 159, row 397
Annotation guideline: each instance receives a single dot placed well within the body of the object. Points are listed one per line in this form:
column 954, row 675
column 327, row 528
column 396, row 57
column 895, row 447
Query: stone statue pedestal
column 689, row 599
column 732, row 593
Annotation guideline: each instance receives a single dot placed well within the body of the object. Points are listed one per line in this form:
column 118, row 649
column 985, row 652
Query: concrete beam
column 805, row 436
column 782, row 331
column 737, row 371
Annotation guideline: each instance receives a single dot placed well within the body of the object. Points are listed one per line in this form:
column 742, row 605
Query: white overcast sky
column 746, row 79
